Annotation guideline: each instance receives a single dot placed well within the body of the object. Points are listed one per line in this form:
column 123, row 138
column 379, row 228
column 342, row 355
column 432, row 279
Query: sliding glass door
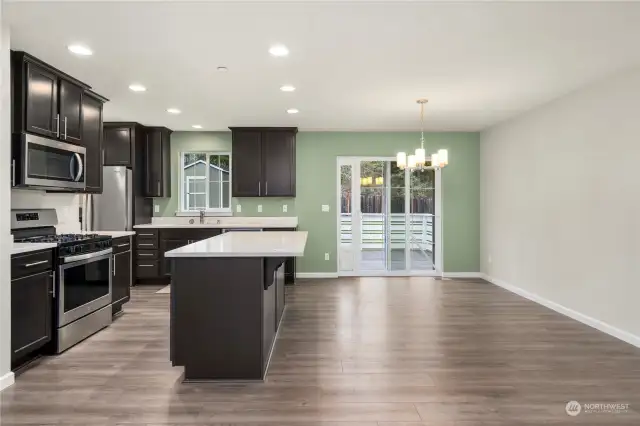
column 387, row 218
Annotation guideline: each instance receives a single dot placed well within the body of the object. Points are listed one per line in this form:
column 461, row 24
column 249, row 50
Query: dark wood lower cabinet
column 121, row 281
column 31, row 313
column 165, row 246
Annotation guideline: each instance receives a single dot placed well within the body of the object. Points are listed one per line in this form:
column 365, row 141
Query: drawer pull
column 146, row 235
column 147, row 266
column 145, row 254
column 145, row 244
column 123, row 245
column 29, row 265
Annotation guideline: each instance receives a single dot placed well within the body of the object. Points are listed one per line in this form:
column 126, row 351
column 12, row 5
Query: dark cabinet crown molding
column 25, row 57
column 265, row 129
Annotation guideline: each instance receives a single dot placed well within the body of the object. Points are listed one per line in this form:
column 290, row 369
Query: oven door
column 50, row 163
column 85, row 285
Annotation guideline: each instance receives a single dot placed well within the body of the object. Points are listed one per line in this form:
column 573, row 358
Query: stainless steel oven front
column 48, row 163
column 84, row 285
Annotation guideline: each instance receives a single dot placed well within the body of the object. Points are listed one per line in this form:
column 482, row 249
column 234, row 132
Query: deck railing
column 420, row 230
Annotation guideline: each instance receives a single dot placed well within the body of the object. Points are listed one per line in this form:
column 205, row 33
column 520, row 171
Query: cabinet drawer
column 146, row 268
column 146, row 243
column 147, row 254
column 121, row 245
column 32, row 263
column 147, row 233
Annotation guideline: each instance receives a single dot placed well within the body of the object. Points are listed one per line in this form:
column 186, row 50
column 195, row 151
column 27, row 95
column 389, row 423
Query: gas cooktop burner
column 61, row 238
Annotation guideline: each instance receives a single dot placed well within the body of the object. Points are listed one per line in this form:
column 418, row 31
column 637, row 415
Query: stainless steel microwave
column 46, row 163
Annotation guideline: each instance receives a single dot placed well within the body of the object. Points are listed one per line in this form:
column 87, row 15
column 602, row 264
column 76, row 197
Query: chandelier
column 418, row 160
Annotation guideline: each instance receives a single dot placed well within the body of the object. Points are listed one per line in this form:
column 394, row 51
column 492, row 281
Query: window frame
column 183, row 181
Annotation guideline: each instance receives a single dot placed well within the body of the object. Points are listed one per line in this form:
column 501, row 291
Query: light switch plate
column 259, row 208
column 156, row 208
column 325, row 207
column 238, row 208
column 284, row 208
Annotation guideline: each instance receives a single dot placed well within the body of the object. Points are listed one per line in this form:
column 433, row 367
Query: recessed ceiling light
column 197, row 126
column 222, row 69
column 279, row 50
column 79, row 49
column 292, row 111
column 138, row 88
column 173, row 111
column 287, row 88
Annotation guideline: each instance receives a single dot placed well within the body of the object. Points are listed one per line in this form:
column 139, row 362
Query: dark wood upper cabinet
column 40, row 101
column 279, row 163
column 46, row 101
column 117, row 145
column 264, row 161
column 70, row 99
column 246, row 163
column 158, row 162
column 92, row 134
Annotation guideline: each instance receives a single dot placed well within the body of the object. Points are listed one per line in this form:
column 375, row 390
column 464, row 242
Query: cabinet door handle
column 13, row 172
column 266, row 191
column 158, row 188
column 53, row 285
column 29, row 265
column 65, row 128
column 259, row 192
column 57, row 125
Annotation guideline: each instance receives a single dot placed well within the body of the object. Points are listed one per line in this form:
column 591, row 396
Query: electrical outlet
column 238, row 208
column 156, row 208
column 259, row 208
column 326, row 256
column 325, row 207
column 284, row 208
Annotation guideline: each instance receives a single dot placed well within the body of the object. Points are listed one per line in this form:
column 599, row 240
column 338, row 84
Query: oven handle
column 87, row 256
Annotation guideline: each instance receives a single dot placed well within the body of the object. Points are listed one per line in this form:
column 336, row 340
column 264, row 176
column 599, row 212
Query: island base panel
column 218, row 314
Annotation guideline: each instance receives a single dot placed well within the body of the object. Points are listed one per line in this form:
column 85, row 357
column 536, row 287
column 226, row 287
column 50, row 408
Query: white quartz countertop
column 223, row 222
column 113, row 234
column 19, row 248
column 246, row 244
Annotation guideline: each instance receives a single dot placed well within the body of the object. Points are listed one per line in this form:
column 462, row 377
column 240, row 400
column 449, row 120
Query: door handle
column 29, row 265
column 65, row 128
column 57, row 125
column 80, row 167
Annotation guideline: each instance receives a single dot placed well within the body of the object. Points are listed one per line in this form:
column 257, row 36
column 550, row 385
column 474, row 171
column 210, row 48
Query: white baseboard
column 6, row 380
column 316, row 275
column 625, row 336
column 462, row 275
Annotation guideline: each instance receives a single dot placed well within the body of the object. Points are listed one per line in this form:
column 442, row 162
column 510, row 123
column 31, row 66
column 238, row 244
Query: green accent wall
column 316, row 182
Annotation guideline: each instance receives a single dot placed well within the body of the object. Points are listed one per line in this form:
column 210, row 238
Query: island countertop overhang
column 246, row 244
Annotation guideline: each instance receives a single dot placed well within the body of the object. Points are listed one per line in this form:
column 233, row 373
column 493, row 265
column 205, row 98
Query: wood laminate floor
column 351, row 352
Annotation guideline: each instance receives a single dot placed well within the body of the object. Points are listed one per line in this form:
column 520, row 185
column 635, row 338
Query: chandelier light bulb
column 411, row 161
column 421, row 157
column 401, row 160
column 443, row 157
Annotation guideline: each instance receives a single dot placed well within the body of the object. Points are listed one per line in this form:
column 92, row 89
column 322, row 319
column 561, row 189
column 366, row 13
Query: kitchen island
column 227, row 300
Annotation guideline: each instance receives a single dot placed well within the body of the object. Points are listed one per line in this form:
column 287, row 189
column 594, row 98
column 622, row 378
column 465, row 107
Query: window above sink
column 205, row 182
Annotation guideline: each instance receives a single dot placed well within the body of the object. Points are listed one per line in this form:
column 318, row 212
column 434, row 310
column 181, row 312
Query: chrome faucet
column 202, row 217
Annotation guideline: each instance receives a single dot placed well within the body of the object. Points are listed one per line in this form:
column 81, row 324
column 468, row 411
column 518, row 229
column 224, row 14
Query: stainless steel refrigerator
column 117, row 208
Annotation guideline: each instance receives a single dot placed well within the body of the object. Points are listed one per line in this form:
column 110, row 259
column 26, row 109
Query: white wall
column 66, row 205
column 560, row 203
column 6, row 377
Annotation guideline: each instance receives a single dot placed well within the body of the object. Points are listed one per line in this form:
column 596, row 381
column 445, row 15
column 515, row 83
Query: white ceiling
column 356, row 66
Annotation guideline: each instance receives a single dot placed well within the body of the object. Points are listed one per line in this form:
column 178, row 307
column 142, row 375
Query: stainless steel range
column 83, row 275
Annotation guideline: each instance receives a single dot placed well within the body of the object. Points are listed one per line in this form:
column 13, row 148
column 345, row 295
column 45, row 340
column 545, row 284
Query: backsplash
column 66, row 205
